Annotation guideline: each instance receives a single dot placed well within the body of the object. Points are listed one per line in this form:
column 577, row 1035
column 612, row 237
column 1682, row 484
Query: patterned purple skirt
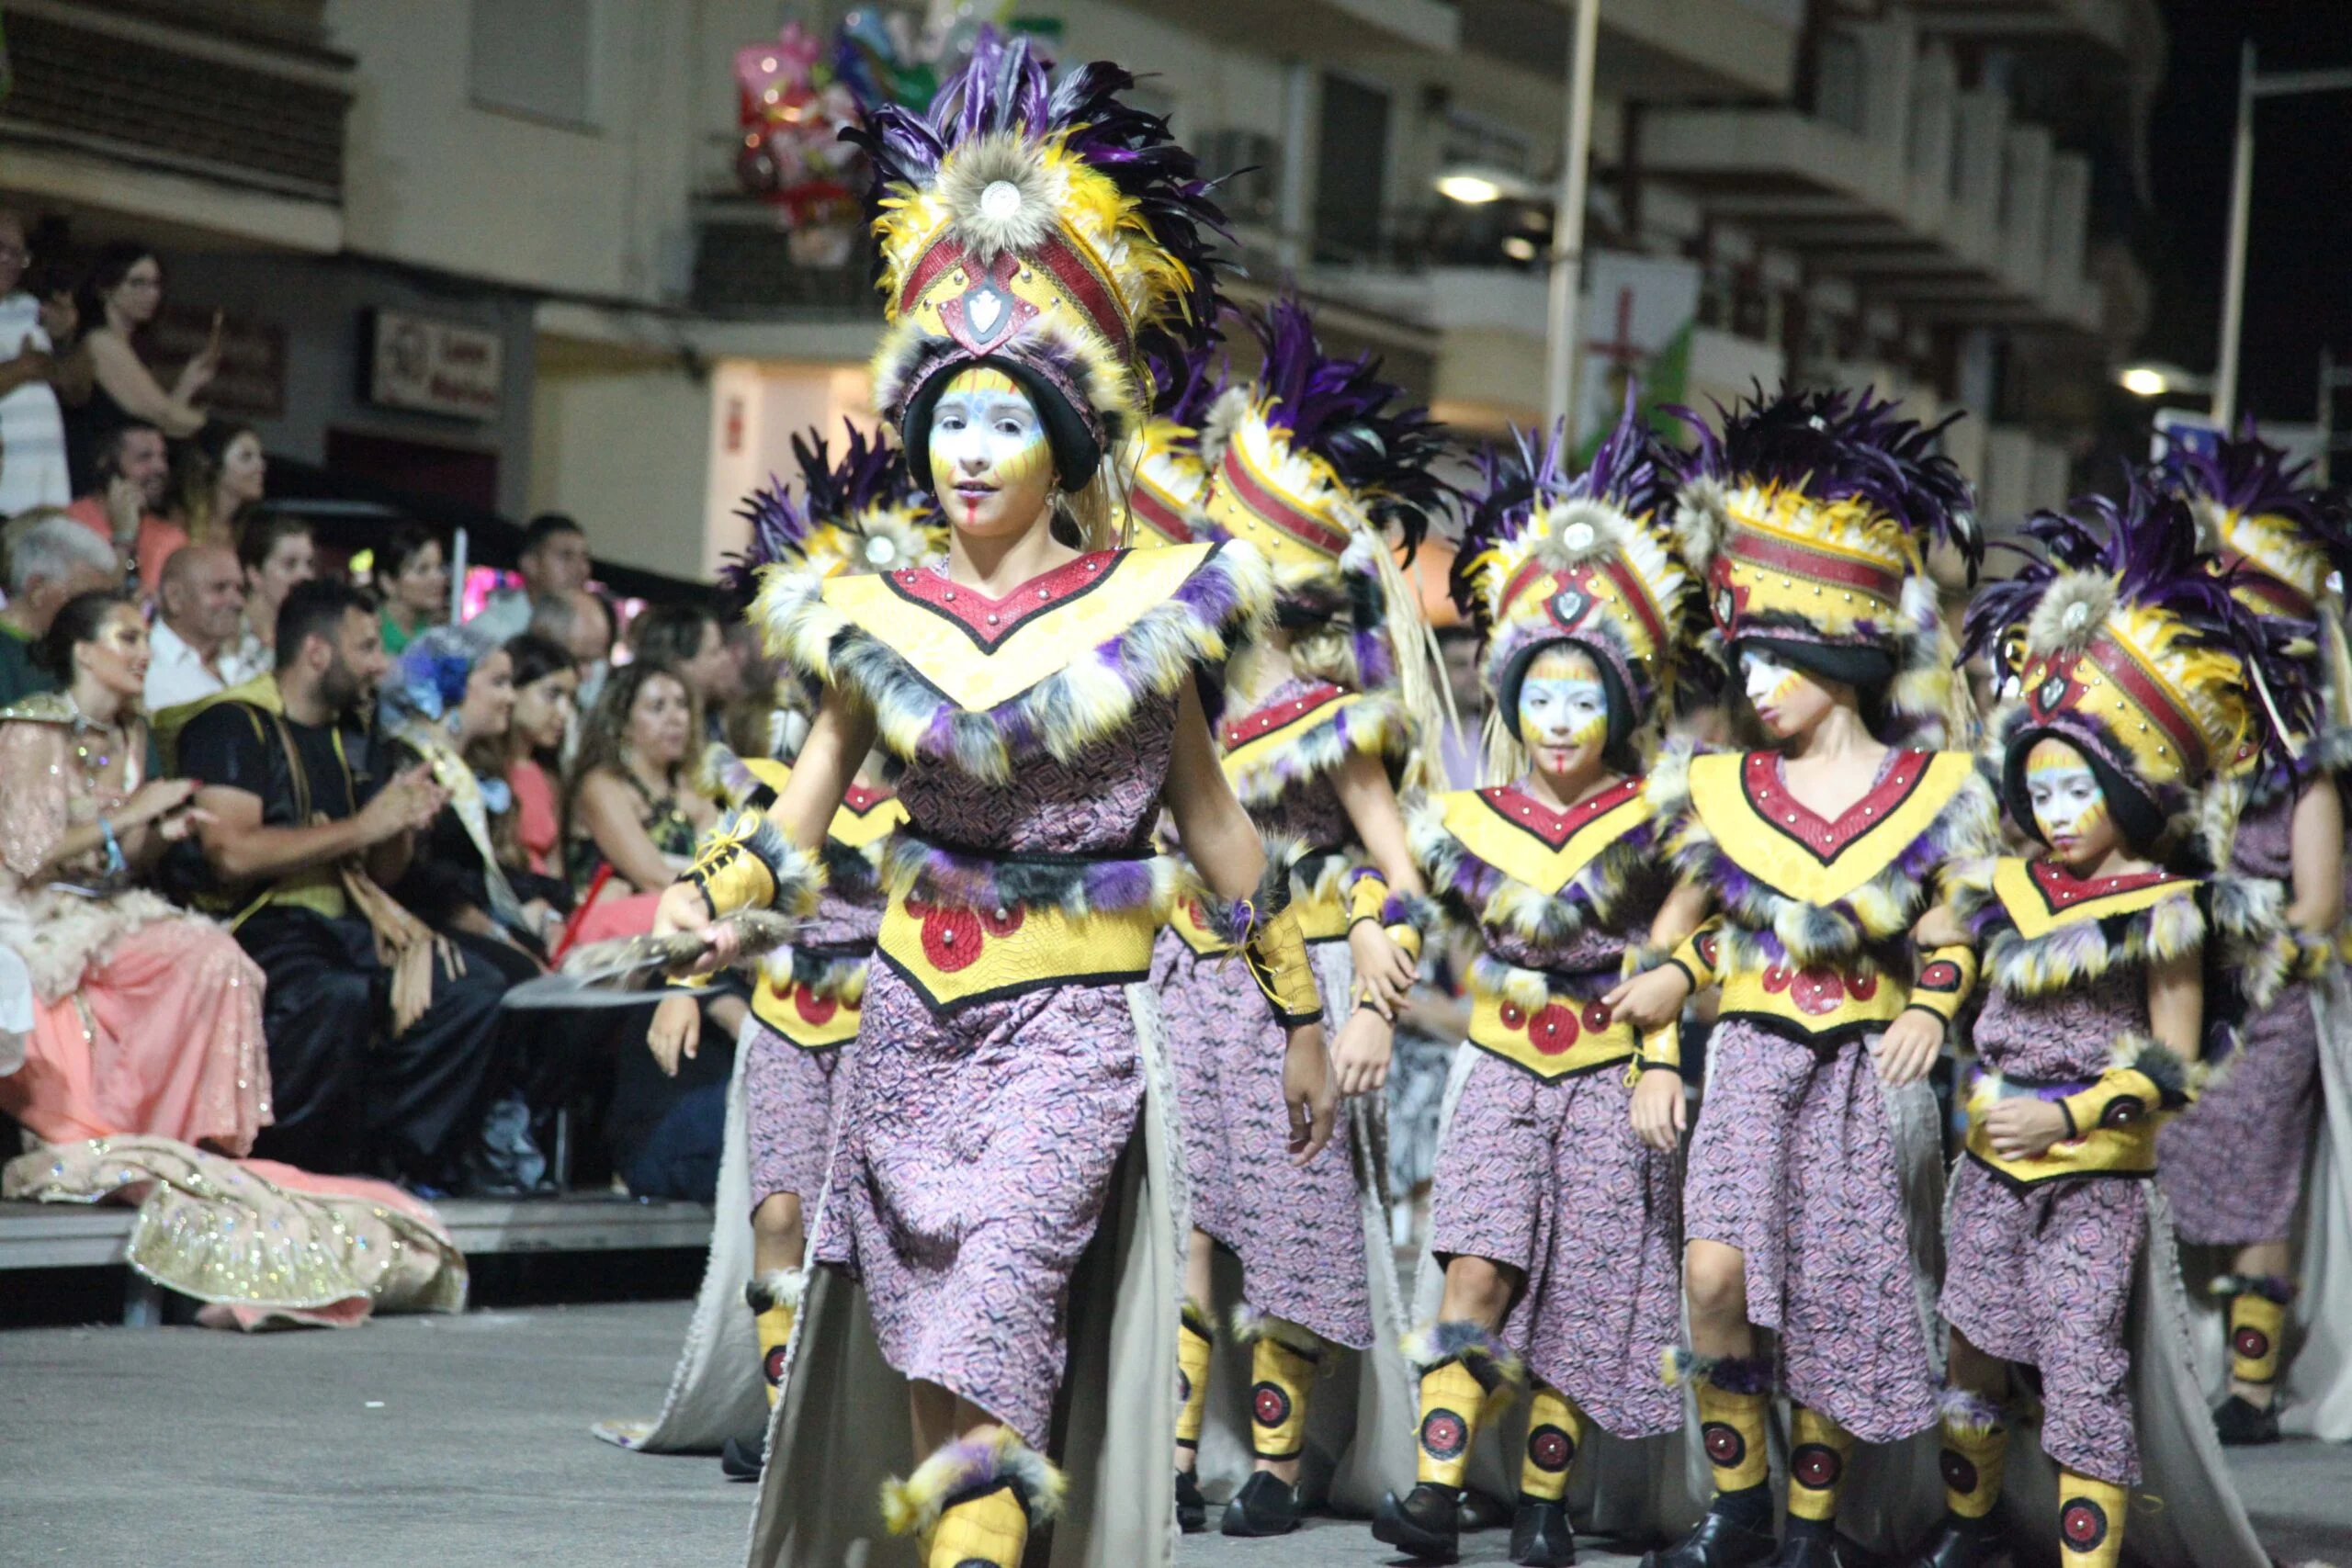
column 791, row 1105
column 2231, row 1165
column 975, row 1156
column 1793, row 1162
column 1298, row 1232
column 1550, row 1178
column 2044, row 1277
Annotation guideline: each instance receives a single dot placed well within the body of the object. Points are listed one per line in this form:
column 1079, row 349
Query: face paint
column 1563, row 710
column 991, row 463
column 2069, row 806
column 1769, row 683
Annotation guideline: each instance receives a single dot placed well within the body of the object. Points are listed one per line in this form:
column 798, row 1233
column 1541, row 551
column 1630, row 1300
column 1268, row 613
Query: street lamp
column 2155, row 378
column 1476, row 185
column 2251, row 86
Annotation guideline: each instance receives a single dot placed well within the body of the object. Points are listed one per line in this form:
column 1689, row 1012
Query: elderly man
column 50, row 558
column 203, row 595
column 134, row 471
column 34, row 373
column 554, row 559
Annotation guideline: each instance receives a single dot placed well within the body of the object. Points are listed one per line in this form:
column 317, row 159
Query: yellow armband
column 1701, row 955
column 1662, row 1047
column 2148, row 1080
column 1276, row 951
column 747, row 864
column 1370, row 900
column 1367, row 894
column 1945, row 981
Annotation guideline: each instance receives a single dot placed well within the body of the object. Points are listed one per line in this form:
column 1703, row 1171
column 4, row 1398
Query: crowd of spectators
column 275, row 843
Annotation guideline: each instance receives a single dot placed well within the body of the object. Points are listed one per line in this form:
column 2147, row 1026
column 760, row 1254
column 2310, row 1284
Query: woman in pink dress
column 147, row 1019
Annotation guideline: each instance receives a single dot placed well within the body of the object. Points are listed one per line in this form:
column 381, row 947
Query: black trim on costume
column 1584, row 1072
column 2014, row 1185
column 1019, row 989
column 1835, row 1037
column 1678, row 964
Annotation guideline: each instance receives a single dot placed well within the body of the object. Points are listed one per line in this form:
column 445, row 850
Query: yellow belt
column 1563, row 1037
column 805, row 1019
column 955, row 955
column 1188, row 920
column 1815, row 1001
column 2128, row 1150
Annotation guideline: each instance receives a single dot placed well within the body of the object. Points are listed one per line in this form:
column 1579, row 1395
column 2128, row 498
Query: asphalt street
column 463, row 1443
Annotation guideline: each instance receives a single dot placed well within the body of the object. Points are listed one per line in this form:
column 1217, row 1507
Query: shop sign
column 433, row 366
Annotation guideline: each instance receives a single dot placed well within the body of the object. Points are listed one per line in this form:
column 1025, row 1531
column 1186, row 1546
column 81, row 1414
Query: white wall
column 626, row 452
column 764, row 405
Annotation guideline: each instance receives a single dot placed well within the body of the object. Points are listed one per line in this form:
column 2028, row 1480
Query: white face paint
column 990, row 464
column 1769, row 683
column 2069, row 806
column 1563, row 711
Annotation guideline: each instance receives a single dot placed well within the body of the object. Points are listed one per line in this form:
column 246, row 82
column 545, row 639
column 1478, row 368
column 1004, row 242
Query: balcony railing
column 747, row 266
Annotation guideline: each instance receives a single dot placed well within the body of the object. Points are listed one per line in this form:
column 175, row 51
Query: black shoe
column 1718, row 1541
column 1192, row 1508
column 740, row 1460
column 1481, row 1512
column 1959, row 1543
column 1264, row 1506
column 1540, row 1536
column 1426, row 1524
column 1808, row 1550
column 2241, row 1423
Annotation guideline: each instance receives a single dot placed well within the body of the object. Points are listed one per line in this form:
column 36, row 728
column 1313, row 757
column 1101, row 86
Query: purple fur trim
column 1373, row 724
column 1726, row 1374
column 1967, row 1413
column 979, row 882
column 1481, row 1350
column 871, row 474
column 2274, row 1288
column 2247, row 475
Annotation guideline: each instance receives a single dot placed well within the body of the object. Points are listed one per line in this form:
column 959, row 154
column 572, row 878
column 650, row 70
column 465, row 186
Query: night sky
column 2299, row 277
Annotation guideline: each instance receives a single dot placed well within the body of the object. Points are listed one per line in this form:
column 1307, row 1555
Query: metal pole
column 2225, row 370
column 1563, row 338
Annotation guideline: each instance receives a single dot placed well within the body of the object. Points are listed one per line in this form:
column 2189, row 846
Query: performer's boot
column 1196, row 1338
column 1733, row 1392
column 973, row 1503
column 2090, row 1521
column 1817, row 1450
column 775, row 1299
column 2258, row 1320
column 1466, row 1374
column 1540, row 1536
column 1975, row 1448
column 1283, row 1359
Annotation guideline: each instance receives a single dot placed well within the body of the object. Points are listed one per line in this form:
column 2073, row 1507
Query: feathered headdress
column 1811, row 517
column 1164, row 458
column 1590, row 561
column 2121, row 638
column 1044, row 229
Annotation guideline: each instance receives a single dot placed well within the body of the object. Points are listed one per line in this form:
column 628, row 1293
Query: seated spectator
column 630, row 816
column 689, row 639
column 148, row 1020
column 222, row 473
column 203, row 594
column 40, row 362
column 52, row 558
column 132, row 472
column 277, row 552
column 120, row 296
column 412, row 579
column 383, row 1041
column 554, row 559
column 583, row 622
column 546, row 683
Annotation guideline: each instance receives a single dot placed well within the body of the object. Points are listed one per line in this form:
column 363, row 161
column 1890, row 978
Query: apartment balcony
column 2129, row 29
column 749, row 267
column 1308, row 27
column 192, row 119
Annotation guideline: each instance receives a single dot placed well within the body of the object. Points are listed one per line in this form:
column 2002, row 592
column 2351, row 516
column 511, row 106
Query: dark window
column 1350, row 170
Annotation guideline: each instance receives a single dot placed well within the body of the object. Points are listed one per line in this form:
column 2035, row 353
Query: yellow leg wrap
column 1732, row 1425
column 775, row 1328
column 1555, row 1430
column 992, row 1528
column 1450, row 1402
column 1279, row 1380
column 1192, row 1348
column 1817, row 1450
column 2257, row 1324
column 2090, row 1521
column 1973, row 1459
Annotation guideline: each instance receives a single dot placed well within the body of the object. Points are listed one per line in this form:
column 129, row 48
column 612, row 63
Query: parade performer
column 2133, row 682
column 1817, row 1151
column 861, row 515
column 2233, row 1165
column 1555, row 1222
column 996, row 1214
column 1315, row 463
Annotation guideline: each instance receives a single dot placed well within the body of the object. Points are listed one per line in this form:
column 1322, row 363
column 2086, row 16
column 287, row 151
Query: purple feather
column 2249, row 476
column 871, row 473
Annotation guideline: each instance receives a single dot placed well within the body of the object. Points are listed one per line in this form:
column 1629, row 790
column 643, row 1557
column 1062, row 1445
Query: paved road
column 463, row 1443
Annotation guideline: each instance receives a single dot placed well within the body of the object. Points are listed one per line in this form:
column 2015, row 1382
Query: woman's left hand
column 1366, row 1042
column 1385, row 971
column 1909, row 1048
column 2024, row 1128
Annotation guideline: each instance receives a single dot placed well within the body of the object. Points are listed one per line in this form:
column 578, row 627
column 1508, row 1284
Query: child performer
column 1312, row 464
column 2232, row 1164
column 1810, row 516
column 2132, row 694
column 1041, row 241
column 1556, row 1223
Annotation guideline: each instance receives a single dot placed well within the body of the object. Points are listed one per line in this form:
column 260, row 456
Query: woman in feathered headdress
column 2234, row 1164
column 861, row 515
column 1553, row 1222
column 1042, row 245
column 2138, row 686
column 1310, row 462
column 1810, row 518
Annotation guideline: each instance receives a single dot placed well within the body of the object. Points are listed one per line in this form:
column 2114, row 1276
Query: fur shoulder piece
column 1479, row 891
column 2029, row 955
column 1872, row 900
column 1067, row 678
column 1331, row 727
